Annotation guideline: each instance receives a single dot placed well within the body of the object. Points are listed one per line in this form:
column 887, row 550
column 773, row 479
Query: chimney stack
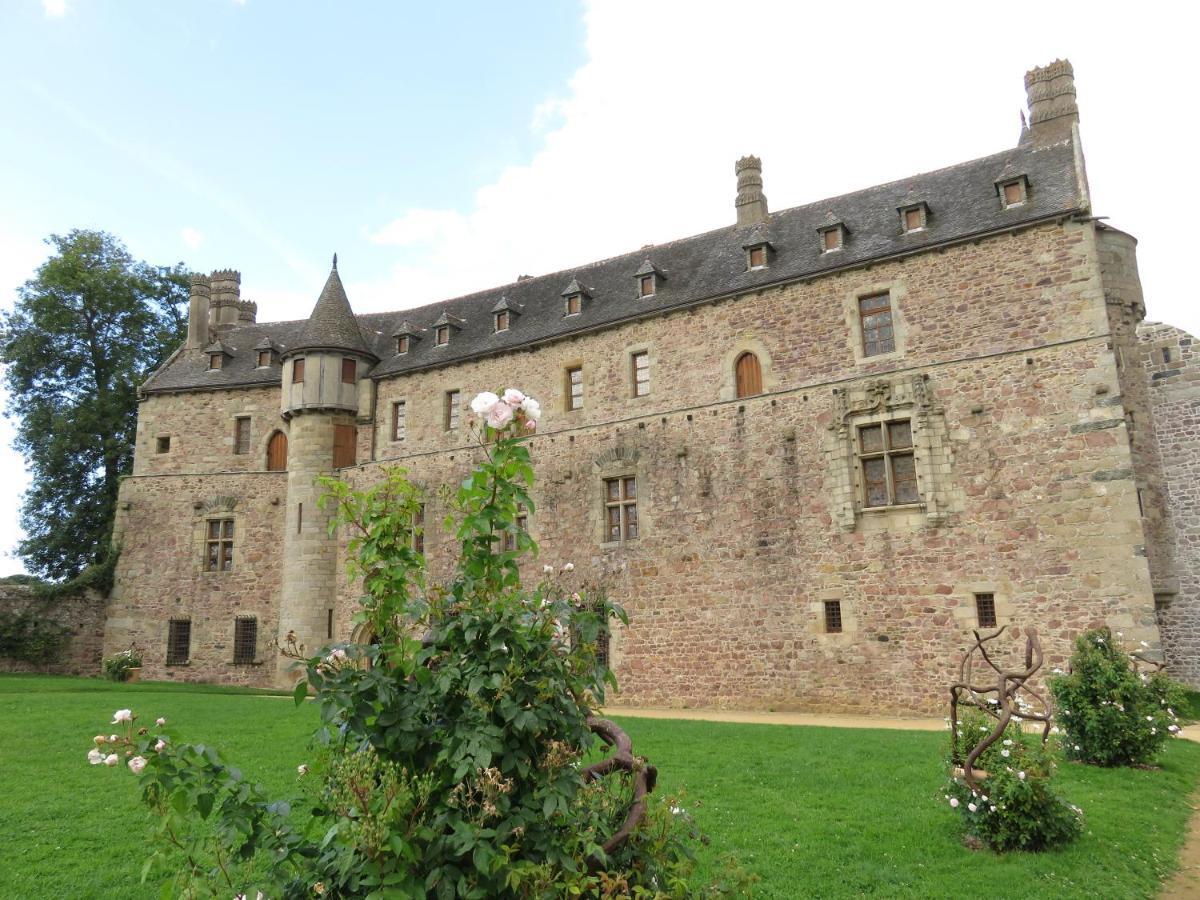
column 1050, row 92
column 247, row 312
column 197, row 333
column 751, row 203
column 226, row 291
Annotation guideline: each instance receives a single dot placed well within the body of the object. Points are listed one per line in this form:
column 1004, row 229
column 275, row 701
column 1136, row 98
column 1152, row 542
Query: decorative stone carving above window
column 880, row 401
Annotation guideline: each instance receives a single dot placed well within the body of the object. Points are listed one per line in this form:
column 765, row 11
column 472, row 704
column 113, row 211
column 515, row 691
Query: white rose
column 137, row 764
column 122, row 715
column 500, row 415
column 95, row 757
column 111, row 759
column 532, row 409
column 513, row 398
column 483, row 403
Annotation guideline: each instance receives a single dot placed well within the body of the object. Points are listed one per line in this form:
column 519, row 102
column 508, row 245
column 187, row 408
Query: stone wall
column 82, row 614
column 1171, row 368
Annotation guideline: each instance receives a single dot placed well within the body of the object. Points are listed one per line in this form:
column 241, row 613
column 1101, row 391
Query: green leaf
column 300, row 691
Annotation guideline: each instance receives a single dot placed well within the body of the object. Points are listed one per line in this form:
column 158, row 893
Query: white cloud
column 54, row 9
column 191, row 237
column 640, row 147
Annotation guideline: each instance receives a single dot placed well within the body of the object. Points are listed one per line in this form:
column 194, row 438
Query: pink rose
column 111, row 760
column 137, row 764
column 513, row 398
column 483, row 403
column 158, row 748
column 500, row 415
column 160, row 721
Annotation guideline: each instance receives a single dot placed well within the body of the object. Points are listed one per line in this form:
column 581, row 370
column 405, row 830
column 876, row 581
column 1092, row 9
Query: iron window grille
column 179, row 641
column 245, row 640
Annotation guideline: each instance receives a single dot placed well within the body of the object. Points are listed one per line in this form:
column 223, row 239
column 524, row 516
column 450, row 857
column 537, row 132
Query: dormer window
column 215, row 360
column 442, row 335
column 1013, row 192
column 573, row 295
column 405, row 335
column 648, row 277
column 914, row 217
column 402, row 344
column 264, row 359
column 502, row 320
column 833, row 238
column 444, row 326
column 758, row 257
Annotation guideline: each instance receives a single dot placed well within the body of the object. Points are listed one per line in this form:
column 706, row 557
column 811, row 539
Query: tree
column 84, row 334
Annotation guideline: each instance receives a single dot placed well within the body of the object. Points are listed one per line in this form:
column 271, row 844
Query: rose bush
column 448, row 761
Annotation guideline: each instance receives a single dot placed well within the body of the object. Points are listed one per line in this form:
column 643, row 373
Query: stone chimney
column 247, row 312
column 751, row 203
column 226, row 292
column 197, row 333
column 1050, row 91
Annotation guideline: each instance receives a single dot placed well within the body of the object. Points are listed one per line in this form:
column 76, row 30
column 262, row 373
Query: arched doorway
column 277, row 452
column 749, row 375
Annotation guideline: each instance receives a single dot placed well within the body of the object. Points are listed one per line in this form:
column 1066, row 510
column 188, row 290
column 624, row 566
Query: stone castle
column 809, row 452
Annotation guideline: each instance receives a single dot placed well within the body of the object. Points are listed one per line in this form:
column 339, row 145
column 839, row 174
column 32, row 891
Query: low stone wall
column 83, row 616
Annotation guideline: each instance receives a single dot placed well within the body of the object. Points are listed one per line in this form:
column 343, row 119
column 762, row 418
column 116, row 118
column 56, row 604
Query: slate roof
column 962, row 203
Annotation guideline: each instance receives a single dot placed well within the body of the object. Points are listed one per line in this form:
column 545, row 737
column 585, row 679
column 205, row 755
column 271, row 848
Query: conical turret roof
column 332, row 325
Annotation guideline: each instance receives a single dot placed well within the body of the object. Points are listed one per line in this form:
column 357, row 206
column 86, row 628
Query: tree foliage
column 85, row 332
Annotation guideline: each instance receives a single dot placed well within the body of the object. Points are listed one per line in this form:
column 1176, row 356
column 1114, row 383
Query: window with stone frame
column 877, row 327
column 914, row 218
column 399, row 420
column 509, row 538
column 417, row 531
column 264, row 359
column 218, row 545
column 985, row 610
column 640, row 363
column 245, row 640
column 452, row 411
column 241, row 434
column 646, row 285
column 757, row 257
column 833, row 616
column 831, row 239
column 886, row 459
column 163, row 443
column 501, row 320
column 179, row 641
column 215, row 360
column 620, row 508
column 574, row 388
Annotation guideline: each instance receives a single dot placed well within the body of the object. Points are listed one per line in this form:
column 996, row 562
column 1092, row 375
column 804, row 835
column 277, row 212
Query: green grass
column 817, row 812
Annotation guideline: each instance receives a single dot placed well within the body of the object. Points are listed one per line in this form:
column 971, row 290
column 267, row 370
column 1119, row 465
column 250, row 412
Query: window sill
column 257, row 662
column 177, row 665
column 616, row 545
column 896, row 507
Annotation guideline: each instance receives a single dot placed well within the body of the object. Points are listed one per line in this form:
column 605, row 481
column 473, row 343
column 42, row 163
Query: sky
column 444, row 148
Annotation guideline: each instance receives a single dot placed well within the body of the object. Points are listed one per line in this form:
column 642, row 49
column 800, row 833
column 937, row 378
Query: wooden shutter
column 277, row 452
column 344, row 439
column 749, row 375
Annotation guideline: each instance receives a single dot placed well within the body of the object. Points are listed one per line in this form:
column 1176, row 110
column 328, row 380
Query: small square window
column 758, row 257
column 402, row 344
column 1166, row 354
column 641, row 373
column 502, row 320
column 453, row 402
column 985, row 610
column 264, row 359
column 914, row 218
column 442, row 335
column 163, row 443
column 349, row 371
column 574, row 304
column 833, row 616
column 646, row 286
column 1014, row 193
column 215, row 360
column 831, row 239
column 298, row 371
column 574, row 388
column 620, row 508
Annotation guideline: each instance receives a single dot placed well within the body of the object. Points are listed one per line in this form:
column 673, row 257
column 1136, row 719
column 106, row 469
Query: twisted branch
column 644, row 778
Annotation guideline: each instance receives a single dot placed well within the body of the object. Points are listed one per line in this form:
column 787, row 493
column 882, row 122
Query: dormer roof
column 576, row 288
column 506, row 305
column 265, row 344
column 217, row 347
column 453, row 321
column 648, row 268
column 405, row 328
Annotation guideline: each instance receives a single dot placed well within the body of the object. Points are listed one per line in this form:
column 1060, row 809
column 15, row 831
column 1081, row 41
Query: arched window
column 749, row 375
column 277, row 452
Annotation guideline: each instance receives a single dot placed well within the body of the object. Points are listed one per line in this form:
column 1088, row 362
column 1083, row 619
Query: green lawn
column 815, row 812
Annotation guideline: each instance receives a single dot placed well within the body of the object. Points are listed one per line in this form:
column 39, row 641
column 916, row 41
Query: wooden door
column 277, row 452
column 344, row 439
column 749, row 375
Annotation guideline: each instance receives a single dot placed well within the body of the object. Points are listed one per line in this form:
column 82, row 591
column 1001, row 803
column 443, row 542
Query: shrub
column 116, row 667
column 1113, row 715
column 450, row 759
column 1016, row 807
column 28, row 637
